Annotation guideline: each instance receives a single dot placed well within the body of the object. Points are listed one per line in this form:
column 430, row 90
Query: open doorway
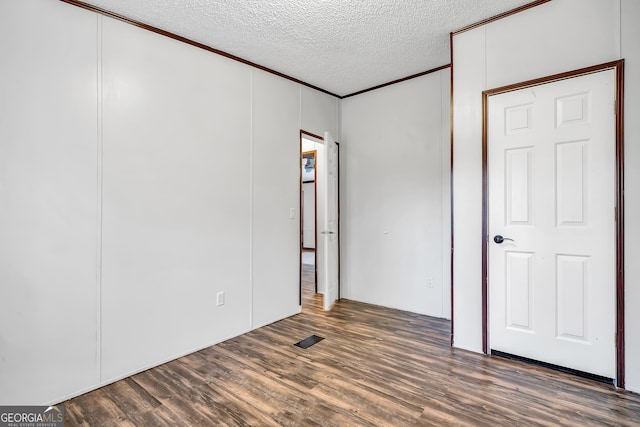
column 319, row 221
column 308, row 216
column 311, row 147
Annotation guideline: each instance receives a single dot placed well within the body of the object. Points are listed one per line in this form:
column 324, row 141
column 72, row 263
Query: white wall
column 138, row 177
column 395, row 172
column 175, row 198
column 555, row 37
column 630, row 51
column 468, row 79
column 319, row 112
column 48, row 202
column 276, row 189
column 308, row 144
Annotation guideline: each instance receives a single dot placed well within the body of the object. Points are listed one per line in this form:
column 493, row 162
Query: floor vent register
column 309, row 341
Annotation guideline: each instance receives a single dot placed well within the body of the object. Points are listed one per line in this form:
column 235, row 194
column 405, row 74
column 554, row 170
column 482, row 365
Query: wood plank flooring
column 375, row 367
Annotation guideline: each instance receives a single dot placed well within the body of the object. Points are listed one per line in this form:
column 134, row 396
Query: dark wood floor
column 375, row 367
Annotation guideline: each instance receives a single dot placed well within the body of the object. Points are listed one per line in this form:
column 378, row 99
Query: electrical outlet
column 430, row 282
column 220, row 298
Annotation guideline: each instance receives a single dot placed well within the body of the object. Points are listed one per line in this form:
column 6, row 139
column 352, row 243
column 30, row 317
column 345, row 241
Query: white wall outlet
column 292, row 213
column 220, row 298
column 430, row 282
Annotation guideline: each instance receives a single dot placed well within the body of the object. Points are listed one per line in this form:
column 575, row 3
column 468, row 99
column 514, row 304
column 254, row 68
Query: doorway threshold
column 569, row 371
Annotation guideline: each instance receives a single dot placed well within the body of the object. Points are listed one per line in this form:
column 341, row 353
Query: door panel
column 551, row 185
column 572, row 297
column 571, row 185
column 519, row 185
column 519, row 290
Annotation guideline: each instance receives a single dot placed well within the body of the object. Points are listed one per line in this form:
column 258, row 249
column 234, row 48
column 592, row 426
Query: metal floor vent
column 309, row 341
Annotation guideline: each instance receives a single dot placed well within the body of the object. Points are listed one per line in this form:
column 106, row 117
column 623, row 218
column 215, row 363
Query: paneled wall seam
column 341, row 197
column 99, row 89
column 619, row 24
column 300, row 107
column 301, row 199
column 630, row 52
column 440, row 219
column 486, row 67
column 441, row 183
column 251, row 209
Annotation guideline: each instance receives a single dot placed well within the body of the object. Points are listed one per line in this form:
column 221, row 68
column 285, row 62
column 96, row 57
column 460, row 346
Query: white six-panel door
column 551, row 183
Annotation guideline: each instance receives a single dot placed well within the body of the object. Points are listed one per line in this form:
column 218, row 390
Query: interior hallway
column 310, row 300
column 376, row 366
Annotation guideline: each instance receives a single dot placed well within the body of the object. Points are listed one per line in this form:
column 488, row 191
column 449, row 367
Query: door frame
column 304, row 133
column 618, row 67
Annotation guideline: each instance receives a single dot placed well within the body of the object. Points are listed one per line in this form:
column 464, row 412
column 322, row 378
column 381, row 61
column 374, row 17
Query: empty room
column 327, row 213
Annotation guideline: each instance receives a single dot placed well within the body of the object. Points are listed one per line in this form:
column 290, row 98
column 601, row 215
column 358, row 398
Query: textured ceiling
column 341, row 46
